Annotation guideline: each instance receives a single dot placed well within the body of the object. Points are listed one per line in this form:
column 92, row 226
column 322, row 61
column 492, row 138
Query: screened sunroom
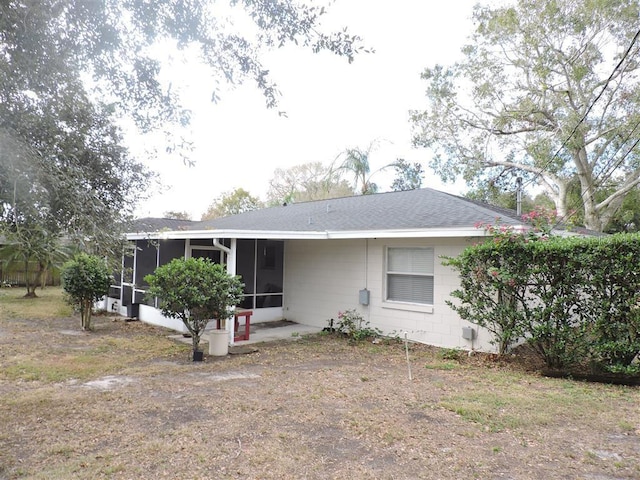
column 259, row 263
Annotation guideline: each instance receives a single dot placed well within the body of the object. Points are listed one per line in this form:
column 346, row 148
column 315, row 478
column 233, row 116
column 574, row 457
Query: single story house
column 379, row 254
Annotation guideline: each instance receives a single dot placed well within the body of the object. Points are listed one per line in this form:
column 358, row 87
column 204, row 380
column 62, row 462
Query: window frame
column 427, row 306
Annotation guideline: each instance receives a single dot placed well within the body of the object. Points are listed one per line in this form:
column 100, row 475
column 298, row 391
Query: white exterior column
column 231, row 270
column 135, row 268
column 231, row 257
column 231, row 253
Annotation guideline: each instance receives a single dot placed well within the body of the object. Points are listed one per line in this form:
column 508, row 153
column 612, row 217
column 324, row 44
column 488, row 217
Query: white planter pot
column 218, row 343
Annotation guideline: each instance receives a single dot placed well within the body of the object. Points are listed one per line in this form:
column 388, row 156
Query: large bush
column 195, row 291
column 574, row 300
column 85, row 279
column 613, row 306
column 493, row 282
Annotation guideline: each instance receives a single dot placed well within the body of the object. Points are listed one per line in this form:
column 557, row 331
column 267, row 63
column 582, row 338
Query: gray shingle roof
column 415, row 209
column 150, row 224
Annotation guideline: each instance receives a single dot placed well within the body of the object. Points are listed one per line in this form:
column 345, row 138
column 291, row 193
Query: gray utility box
column 468, row 333
column 364, row 297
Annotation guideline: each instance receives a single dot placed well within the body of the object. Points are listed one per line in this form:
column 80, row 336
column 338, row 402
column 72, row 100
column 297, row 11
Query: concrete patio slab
column 264, row 332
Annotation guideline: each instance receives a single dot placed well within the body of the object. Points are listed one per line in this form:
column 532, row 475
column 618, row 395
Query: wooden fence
column 18, row 278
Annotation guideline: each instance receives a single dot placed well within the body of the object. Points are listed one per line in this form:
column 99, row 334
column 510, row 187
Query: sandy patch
column 109, row 382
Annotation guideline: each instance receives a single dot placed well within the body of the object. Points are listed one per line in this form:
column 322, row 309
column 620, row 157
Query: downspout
column 366, row 263
column 225, row 249
column 231, row 270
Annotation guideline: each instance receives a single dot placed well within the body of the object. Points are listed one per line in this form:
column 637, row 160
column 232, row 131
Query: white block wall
column 323, row 277
column 146, row 314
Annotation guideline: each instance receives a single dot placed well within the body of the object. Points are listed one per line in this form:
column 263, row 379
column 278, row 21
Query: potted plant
column 194, row 290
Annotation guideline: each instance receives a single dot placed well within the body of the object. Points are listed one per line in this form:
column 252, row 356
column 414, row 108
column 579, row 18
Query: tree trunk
column 195, row 340
column 43, row 275
column 584, row 172
column 85, row 314
column 31, row 289
column 591, row 218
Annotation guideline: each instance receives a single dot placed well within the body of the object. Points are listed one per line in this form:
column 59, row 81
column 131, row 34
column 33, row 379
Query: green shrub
column 85, row 280
column 450, row 353
column 574, row 300
column 612, row 301
column 493, row 283
column 555, row 321
column 352, row 324
column 194, row 290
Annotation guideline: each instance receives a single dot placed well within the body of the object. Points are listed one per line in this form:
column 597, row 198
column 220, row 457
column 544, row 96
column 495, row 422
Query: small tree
column 176, row 215
column 232, row 203
column 195, row 291
column 408, row 176
column 307, row 182
column 85, row 280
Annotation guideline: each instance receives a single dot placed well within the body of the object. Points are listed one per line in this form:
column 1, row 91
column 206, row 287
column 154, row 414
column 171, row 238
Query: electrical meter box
column 364, row 297
column 468, row 333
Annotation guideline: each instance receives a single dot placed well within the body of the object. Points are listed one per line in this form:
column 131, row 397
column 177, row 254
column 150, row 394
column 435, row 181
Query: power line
column 608, row 171
column 575, row 129
column 608, row 174
column 581, row 121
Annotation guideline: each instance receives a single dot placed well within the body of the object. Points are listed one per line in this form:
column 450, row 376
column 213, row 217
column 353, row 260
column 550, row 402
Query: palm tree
column 34, row 247
column 356, row 161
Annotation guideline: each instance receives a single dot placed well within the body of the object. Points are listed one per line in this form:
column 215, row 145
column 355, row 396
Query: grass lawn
column 124, row 401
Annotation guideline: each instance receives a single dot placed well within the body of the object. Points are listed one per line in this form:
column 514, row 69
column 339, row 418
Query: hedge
column 575, row 300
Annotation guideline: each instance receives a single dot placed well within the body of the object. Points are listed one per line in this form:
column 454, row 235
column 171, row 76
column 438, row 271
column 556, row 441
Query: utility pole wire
column 575, row 129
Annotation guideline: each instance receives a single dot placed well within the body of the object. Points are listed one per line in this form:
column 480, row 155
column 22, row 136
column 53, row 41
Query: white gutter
column 430, row 233
column 315, row 235
column 207, row 234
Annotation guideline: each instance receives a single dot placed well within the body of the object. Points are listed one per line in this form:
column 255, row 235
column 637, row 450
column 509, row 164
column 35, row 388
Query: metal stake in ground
column 406, row 349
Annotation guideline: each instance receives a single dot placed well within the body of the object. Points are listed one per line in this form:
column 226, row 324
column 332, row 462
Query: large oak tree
column 546, row 90
column 70, row 71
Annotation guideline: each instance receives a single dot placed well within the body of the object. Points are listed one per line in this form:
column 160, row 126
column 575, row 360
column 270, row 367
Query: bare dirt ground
column 125, row 402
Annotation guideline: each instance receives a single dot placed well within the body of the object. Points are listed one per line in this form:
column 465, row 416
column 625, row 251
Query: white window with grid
column 409, row 275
